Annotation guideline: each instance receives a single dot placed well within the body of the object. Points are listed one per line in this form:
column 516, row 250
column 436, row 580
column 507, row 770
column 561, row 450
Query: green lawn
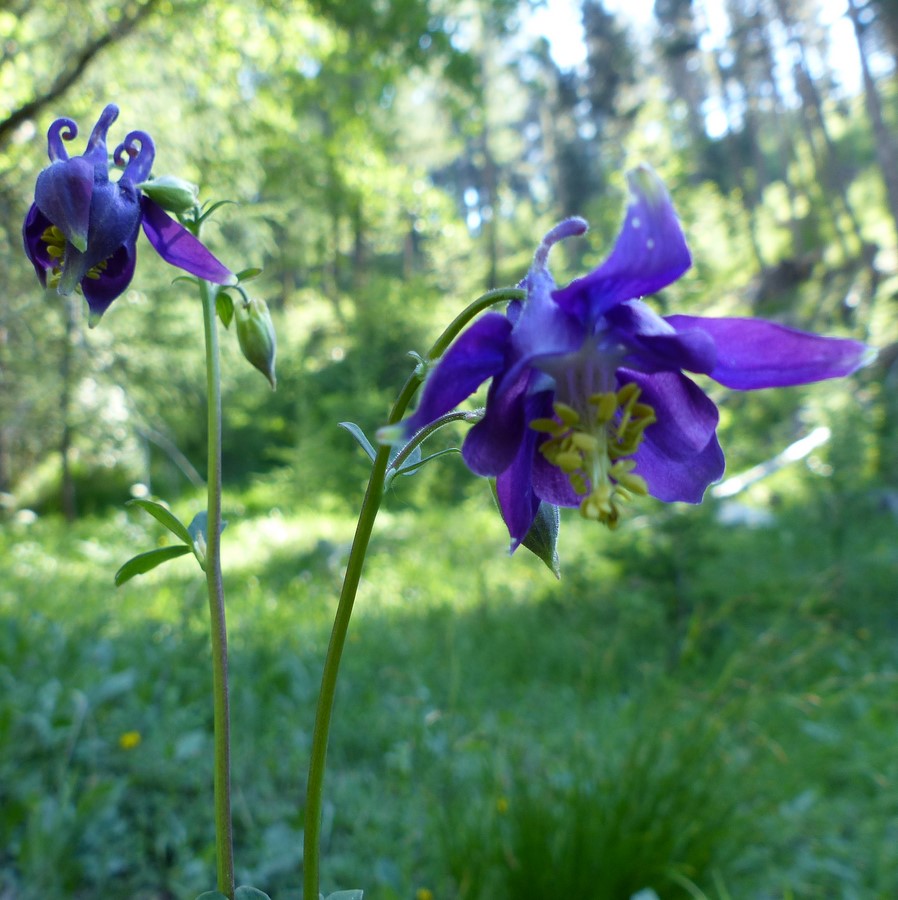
column 696, row 709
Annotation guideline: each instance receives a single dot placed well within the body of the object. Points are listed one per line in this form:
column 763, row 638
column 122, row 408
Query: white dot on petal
column 636, row 222
column 650, row 243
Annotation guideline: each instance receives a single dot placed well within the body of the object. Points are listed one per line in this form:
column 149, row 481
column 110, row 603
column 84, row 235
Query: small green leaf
column 359, row 435
column 245, row 892
column 208, row 212
column 224, row 306
column 248, row 274
column 144, row 562
column 166, row 517
column 199, row 535
column 212, row 895
column 346, row 895
column 410, row 466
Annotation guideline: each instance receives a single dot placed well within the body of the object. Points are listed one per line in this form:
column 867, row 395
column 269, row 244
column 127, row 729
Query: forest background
column 706, row 700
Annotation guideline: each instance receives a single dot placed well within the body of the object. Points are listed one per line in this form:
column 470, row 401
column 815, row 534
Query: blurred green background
column 704, row 706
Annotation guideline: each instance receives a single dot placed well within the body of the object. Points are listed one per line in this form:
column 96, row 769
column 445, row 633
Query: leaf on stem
column 211, row 209
column 412, row 464
column 245, row 892
column 359, row 435
column 166, row 517
column 224, row 306
column 144, row 562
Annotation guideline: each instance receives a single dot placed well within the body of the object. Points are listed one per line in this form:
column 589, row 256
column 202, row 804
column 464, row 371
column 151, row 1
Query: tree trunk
column 4, row 428
column 883, row 141
column 829, row 168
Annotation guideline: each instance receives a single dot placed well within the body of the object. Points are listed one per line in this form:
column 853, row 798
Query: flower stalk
column 224, row 844
column 367, row 516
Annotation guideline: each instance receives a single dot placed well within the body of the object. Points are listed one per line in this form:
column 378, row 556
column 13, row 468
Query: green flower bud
column 255, row 332
column 171, row 193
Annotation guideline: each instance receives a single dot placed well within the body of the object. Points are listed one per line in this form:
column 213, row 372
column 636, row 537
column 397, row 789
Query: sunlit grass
column 484, row 708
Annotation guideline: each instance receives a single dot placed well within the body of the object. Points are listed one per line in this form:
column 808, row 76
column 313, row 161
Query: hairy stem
column 224, row 844
column 367, row 515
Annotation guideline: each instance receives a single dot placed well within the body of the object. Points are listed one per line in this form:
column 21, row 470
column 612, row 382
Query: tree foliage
column 388, row 161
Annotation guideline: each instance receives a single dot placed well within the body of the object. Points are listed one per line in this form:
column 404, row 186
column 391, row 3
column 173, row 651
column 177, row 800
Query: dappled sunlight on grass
column 479, row 698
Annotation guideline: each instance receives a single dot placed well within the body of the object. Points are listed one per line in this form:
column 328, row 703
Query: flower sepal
column 542, row 538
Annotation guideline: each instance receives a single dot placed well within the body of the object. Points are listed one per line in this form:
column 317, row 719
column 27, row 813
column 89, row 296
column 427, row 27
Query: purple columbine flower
column 588, row 402
column 81, row 230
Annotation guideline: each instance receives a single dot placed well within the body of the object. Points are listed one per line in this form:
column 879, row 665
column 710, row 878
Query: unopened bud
column 255, row 332
column 171, row 193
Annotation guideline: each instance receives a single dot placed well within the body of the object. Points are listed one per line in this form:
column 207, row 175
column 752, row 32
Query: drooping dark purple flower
column 588, row 403
column 81, row 230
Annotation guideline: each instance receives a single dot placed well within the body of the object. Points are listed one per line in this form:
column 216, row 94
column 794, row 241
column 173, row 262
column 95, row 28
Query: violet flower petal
column 141, row 153
column 114, row 219
column 551, row 484
column 63, row 194
column 679, row 455
column 477, row 354
column 491, row 445
column 60, row 130
column 36, row 223
column 752, row 353
column 654, row 345
column 177, row 246
column 649, row 254
column 683, row 480
column 543, row 327
column 686, row 416
column 96, row 152
column 518, row 501
column 112, row 282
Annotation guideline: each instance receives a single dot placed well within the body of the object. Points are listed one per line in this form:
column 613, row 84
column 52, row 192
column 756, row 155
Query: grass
column 698, row 711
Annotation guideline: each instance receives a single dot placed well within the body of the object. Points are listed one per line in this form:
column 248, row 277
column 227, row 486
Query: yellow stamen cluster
column 591, row 449
column 55, row 241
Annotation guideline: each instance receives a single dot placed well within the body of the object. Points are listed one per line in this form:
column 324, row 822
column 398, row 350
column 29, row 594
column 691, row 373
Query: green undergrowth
column 696, row 710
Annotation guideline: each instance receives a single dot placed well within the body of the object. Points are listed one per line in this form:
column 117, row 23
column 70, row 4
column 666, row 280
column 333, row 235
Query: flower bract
column 588, row 402
column 81, row 231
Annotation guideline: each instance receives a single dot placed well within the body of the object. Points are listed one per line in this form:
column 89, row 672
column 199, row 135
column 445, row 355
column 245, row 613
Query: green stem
column 224, row 846
column 364, row 528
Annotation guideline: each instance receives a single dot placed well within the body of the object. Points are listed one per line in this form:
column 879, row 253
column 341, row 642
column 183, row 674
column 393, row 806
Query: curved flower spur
column 588, row 403
column 81, row 231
